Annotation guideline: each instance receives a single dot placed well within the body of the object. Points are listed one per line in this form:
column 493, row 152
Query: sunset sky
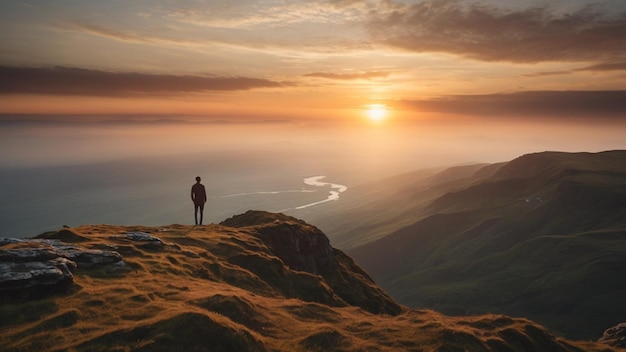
column 323, row 60
column 124, row 102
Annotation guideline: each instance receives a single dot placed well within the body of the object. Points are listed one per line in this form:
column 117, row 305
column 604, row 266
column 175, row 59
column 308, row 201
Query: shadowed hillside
column 389, row 204
column 543, row 236
column 256, row 282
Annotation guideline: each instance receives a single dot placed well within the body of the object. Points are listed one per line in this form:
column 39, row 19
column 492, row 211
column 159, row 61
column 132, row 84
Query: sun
column 376, row 112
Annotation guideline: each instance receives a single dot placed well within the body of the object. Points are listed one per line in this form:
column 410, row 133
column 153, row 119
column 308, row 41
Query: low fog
column 55, row 174
column 359, row 147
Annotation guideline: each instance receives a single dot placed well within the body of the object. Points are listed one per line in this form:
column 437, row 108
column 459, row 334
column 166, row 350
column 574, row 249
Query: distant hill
column 542, row 236
column 256, row 282
column 370, row 211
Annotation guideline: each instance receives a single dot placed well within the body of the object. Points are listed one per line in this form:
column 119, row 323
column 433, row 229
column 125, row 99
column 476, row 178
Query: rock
column 38, row 263
column 615, row 336
column 65, row 235
column 87, row 258
column 304, row 247
column 256, row 217
column 42, row 250
column 23, row 255
column 299, row 245
column 142, row 237
column 23, row 275
column 5, row 241
column 149, row 241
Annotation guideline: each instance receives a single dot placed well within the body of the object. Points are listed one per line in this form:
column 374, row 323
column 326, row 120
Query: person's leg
column 195, row 213
column 201, row 213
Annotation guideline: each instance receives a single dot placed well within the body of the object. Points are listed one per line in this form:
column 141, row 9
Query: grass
column 236, row 295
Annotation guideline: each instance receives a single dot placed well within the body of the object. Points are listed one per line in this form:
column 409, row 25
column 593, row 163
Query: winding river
column 335, row 190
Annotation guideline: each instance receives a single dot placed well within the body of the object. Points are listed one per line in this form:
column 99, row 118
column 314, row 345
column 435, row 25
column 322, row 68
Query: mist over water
column 141, row 174
column 58, row 175
column 144, row 191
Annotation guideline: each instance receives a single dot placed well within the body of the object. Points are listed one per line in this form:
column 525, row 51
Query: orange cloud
column 349, row 76
column 78, row 81
column 539, row 104
column 601, row 67
column 494, row 34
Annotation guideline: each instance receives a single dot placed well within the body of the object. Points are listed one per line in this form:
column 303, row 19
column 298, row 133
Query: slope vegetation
column 256, row 282
column 543, row 236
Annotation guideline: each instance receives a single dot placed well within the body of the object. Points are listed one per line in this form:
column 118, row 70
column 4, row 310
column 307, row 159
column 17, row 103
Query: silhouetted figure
column 198, row 195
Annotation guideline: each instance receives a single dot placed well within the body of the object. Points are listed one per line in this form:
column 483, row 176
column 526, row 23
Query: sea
column 136, row 172
column 154, row 192
column 54, row 175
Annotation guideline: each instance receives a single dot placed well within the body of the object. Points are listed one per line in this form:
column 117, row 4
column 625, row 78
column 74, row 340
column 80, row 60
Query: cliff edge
column 256, row 282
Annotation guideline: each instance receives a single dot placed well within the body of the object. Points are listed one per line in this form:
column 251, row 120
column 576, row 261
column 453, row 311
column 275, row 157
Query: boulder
column 87, row 258
column 45, row 263
column 615, row 336
column 147, row 240
column 26, row 275
column 24, row 255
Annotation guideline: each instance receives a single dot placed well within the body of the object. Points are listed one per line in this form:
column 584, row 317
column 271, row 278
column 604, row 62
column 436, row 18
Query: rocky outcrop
column 615, row 336
column 40, row 272
column 34, row 264
column 145, row 240
column 299, row 245
column 304, row 247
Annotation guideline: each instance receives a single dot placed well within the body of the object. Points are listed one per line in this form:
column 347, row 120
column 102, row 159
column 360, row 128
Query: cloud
column 273, row 14
column 109, row 33
column 540, row 104
column 349, row 76
column 493, row 34
column 79, row 81
column 607, row 66
column 127, row 36
column 262, row 31
column 600, row 67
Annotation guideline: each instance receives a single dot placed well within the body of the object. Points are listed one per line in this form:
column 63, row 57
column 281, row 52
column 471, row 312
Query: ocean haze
column 56, row 174
column 140, row 172
column 146, row 190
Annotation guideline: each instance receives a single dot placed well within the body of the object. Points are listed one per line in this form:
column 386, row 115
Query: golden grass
column 204, row 292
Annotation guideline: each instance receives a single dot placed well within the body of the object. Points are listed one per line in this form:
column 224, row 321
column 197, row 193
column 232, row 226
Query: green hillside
column 543, row 236
column 374, row 210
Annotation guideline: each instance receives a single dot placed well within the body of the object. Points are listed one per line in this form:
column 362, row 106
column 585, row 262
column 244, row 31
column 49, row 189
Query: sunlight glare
column 376, row 112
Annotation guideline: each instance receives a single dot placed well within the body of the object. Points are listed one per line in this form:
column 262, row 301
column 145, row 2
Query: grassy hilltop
column 256, row 282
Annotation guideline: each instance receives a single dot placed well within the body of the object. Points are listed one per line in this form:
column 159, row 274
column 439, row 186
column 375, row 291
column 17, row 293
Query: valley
column 542, row 236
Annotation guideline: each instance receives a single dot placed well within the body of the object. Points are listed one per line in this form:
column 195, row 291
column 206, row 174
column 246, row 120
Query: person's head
column 198, row 179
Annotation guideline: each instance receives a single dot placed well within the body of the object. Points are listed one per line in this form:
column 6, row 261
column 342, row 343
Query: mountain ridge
column 482, row 247
column 252, row 283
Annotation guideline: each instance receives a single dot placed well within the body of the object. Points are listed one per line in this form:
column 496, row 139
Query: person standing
column 198, row 196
